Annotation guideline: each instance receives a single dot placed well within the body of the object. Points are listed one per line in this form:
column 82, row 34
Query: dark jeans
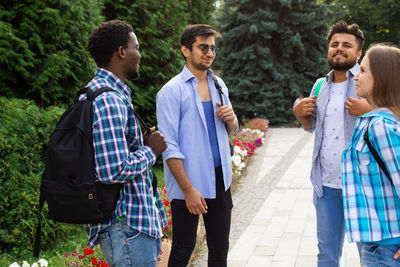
column 217, row 222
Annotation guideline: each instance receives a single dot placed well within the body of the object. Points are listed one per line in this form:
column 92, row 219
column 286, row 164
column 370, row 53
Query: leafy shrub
column 42, row 48
column 24, row 133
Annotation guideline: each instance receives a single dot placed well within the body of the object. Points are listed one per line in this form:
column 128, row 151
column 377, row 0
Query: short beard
column 199, row 66
column 341, row 66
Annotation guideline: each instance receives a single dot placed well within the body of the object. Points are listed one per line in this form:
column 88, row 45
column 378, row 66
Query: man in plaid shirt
column 132, row 236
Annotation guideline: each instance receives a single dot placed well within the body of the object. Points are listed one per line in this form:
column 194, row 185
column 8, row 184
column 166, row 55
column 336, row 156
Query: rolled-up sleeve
column 168, row 114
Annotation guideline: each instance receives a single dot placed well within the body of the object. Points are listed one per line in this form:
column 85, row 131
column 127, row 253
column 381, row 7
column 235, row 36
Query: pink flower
column 66, row 255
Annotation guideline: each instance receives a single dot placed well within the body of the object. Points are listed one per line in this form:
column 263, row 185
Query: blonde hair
column 384, row 62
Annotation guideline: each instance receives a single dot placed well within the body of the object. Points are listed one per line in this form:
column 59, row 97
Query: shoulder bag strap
column 376, row 155
column 219, row 88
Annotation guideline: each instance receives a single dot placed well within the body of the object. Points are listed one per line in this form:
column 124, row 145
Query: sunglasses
column 205, row 48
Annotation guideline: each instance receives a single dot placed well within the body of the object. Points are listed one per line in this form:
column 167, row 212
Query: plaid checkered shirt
column 121, row 157
column 371, row 202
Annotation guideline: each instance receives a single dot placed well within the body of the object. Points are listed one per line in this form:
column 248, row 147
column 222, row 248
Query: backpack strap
column 36, row 245
column 320, row 81
column 92, row 95
column 219, row 88
column 376, row 155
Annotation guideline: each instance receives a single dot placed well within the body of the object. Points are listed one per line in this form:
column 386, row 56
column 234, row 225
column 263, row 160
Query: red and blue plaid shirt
column 121, row 157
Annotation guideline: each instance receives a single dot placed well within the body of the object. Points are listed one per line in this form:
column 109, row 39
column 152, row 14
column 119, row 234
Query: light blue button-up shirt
column 181, row 119
column 318, row 120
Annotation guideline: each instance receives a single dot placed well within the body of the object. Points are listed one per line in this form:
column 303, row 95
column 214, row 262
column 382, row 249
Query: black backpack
column 69, row 184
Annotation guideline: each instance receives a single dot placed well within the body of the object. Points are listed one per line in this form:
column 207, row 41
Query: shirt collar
column 114, row 80
column 188, row 75
column 349, row 74
column 383, row 112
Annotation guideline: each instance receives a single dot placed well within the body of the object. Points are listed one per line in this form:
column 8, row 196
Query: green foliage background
column 42, row 48
column 24, row 133
column 272, row 52
column 379, row 19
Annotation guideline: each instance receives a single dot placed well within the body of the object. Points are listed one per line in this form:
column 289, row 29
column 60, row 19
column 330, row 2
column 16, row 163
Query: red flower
column 166, row 203
column 88, row 251
column 104, row 264
column 170, row 212
column 94, row 261
column 170, row 223
column 166, row 228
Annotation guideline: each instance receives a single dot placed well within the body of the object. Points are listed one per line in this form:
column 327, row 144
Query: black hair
column 106, row 39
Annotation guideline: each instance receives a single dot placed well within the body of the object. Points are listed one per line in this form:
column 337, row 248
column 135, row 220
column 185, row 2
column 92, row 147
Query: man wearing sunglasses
column 196, row 119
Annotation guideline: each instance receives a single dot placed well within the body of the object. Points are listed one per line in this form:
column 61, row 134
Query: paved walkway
column 273, row 221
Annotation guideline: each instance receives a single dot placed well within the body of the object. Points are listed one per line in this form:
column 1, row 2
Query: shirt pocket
column 363, row 155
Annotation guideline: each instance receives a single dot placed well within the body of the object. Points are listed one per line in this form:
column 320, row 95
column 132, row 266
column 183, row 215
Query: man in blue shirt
column 333, row 115
column 197, row 162
column 132, row 236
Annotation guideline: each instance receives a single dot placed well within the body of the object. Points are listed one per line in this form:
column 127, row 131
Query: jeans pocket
column 370, row 248
column 105, row 245
column 130, row 233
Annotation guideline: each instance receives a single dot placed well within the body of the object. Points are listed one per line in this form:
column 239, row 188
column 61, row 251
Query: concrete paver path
column 273, row 219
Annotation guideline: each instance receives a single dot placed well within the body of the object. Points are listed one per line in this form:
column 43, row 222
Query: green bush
column 24, row 133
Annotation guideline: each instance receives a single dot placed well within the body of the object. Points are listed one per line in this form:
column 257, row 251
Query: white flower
column 14, row 264
column 236, row 160
column 25, row 264
column 43, row 263
column 35, row 264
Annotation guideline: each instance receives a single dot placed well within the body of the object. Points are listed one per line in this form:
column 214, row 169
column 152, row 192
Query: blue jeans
column 124, row 246
column 330, row 226
column 375, row 255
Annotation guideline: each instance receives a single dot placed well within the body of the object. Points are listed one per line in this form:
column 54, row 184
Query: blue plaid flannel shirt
column 121, row 157
column 371, row 203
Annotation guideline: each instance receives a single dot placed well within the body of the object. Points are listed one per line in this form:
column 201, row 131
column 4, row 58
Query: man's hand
column 305, row 107
column 396, row 255
column 225, row 113
column 155, row 141
column 357, row 107
column 195, row 202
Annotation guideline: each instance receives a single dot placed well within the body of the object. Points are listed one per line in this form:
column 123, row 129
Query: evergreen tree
column 43, row 48
column 272, row 52
column 200, row 11
column 379, row 19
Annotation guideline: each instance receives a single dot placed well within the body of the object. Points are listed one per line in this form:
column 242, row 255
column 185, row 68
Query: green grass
column 158, row 169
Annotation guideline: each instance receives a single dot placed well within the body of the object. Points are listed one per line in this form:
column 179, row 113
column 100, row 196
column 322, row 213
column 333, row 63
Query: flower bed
column 245, row 141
